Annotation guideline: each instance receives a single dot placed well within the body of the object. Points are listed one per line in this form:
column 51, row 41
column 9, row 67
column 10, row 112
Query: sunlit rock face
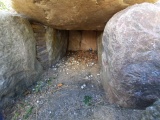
column 73, row 14
column 131, row 56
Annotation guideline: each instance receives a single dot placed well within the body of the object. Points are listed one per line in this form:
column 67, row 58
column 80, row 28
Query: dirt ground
column 70, row 90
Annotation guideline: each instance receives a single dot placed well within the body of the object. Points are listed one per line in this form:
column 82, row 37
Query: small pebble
column 83, row 86
column 54, row 68
column 86, row 77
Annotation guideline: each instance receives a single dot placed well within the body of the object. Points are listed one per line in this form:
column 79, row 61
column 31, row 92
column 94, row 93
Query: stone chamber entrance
column 51, row 44
column 70, row 87
column 54, row 66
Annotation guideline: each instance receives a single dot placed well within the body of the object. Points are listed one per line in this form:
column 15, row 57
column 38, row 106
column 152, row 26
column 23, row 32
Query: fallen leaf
column 60, row 85
column 27, row 92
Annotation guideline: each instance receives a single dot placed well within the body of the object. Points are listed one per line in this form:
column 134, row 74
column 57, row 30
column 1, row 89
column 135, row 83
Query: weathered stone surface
column 99, row 47
column 89, row 40
column 73, row 14
column 51, row 44
column 18, row 65
column 152, row 112
column 59, row 45
column 131, row 57
column 83, row 40
column 42, row 53
column 75, row 38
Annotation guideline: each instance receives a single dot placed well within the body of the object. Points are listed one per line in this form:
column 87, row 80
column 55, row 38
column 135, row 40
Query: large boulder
column 131, row 56
column 18, row 65
column 73, row 14
column 152, row 112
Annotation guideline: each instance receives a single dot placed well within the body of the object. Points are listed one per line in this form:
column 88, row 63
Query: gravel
column 62, row 94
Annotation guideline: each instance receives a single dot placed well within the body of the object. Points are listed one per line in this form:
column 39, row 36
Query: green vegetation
column 2, row 6
column 28, row 112
column 24, row 110
column 87, row 100
column 49, row 81
column 39, row 86
column 15, row 116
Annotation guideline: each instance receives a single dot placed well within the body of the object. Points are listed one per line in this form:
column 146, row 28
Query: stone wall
column 51, row 44
column 83, row 40
column 41, row 48
column 99, row 47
